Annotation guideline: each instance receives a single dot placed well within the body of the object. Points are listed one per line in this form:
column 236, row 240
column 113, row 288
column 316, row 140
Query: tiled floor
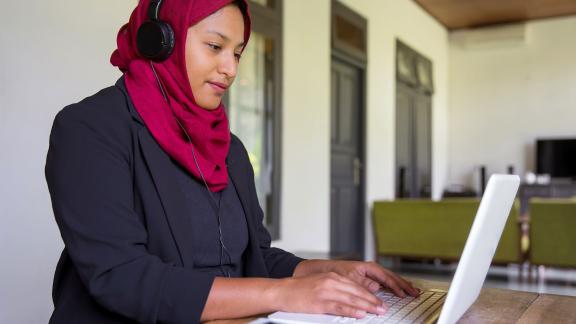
column 544, row 279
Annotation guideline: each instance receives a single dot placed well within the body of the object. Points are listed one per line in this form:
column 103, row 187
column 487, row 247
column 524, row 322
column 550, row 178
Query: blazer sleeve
column 279, row 263
column 88, row 171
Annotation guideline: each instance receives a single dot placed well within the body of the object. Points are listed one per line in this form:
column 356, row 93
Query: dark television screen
column 556, row 157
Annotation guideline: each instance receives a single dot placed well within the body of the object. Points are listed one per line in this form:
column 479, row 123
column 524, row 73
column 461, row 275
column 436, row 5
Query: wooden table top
column 509, row 306
column 500, row 306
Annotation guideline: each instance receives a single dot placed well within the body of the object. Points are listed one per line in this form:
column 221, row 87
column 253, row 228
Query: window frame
column 267, row 21
column 415, row 62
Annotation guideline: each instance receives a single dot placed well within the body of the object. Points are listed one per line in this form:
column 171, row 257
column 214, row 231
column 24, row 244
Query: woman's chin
column 209, row 104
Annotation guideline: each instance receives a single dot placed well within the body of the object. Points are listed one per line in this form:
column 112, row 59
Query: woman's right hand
column 327, row 293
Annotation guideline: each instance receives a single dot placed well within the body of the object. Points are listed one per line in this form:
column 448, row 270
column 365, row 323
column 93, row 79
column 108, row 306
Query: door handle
column 357, row 169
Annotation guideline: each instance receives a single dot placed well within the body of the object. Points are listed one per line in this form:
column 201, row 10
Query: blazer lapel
column 171, row 196
column 165, row 179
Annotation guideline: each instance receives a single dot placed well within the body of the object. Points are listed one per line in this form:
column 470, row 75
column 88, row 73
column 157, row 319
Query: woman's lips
column 220, row 88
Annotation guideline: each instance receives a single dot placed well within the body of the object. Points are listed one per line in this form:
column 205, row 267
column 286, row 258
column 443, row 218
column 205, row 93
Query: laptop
column 434, row 304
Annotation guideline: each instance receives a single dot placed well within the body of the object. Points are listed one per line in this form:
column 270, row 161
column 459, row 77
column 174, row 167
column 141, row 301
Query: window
column 254, row 106
column 349, row 31
column 413, row 69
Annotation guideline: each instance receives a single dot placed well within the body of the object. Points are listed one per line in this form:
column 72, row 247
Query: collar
column 120, row 84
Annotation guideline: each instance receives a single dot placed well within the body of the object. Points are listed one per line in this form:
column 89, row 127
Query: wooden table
column 501, row 306
column 510, row 306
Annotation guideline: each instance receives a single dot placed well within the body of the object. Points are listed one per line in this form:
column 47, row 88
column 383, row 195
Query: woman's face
column 213, row 48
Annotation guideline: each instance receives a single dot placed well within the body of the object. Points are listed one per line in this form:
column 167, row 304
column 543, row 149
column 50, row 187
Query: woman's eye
column 215, row 47
column 238, row 56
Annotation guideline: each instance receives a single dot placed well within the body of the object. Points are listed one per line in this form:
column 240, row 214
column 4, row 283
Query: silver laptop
column 433, row 304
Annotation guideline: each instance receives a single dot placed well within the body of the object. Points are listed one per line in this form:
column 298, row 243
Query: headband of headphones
column 155, row 38
column 154, row 10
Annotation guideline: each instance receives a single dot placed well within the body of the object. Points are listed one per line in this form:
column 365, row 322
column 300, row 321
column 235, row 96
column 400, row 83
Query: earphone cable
column 223, row 248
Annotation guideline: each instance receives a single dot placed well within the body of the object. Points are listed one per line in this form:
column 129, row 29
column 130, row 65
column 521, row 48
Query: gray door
column 347, row 219
column 413, row 143
column 423, row 145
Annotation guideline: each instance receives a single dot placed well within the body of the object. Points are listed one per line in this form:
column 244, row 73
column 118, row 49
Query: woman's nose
column 228, row 65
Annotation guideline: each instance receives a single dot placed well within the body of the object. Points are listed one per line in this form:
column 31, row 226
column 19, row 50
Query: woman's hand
column 327, row 293
column 373, row 276
column 370, row 275
column 343, row 288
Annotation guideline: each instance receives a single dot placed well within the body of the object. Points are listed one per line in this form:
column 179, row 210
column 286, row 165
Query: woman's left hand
column 372, row 276
column 368, row 274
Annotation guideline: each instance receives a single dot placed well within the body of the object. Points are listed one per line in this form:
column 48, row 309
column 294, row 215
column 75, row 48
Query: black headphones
column 155, row 38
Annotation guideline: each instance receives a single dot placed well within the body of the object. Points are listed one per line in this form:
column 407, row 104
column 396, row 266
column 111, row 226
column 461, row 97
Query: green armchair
column 428, row 230
column 553, row 232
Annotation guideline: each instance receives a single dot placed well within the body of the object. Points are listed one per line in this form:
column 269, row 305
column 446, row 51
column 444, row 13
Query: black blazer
column 128, row 255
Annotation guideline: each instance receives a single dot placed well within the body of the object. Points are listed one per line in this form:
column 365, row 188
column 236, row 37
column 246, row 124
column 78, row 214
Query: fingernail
column 381, row 310
column 360, row 313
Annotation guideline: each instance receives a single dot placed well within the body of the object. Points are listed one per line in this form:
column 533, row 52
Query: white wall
column 54, row 53
column 504, row 96
column 305, row 209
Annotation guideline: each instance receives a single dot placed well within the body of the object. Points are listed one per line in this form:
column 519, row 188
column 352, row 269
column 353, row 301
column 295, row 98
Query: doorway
column 347, row 132
column 414, row 90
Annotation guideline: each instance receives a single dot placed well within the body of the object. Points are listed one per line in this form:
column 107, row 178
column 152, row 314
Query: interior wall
column 389, row 20
column 305, row 209
column 55, row 53
column 506, row 93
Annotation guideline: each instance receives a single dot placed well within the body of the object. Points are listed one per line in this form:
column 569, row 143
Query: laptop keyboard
column 402, row 310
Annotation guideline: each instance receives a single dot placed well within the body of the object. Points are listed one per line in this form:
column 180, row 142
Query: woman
column 155, row 199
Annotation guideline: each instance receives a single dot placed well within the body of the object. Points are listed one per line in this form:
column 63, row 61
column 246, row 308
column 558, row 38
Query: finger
column 388, row 279
column 395, row 287
column 404, row 284
column 342, row 309
column 348, row 285
column 409, row 287
column 392, row 280
column 352, row 294
column 370, row 284
column 359, row 304
column 358, row 295
column 358, row 290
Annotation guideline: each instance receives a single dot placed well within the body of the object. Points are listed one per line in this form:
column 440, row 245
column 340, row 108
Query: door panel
column 334, row 106
column 413, row 143
column 404, row 103
column 348, row 103
column 347, row 219
column 423, row 121
column 345, row 240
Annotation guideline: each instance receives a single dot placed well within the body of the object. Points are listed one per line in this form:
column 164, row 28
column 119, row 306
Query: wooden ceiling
column 458, row 14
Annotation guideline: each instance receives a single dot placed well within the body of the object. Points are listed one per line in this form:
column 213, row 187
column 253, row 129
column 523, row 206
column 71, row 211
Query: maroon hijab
column 208, row 129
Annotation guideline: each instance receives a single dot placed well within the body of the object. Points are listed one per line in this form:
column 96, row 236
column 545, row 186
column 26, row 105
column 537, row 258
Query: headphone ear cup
column 155, row 40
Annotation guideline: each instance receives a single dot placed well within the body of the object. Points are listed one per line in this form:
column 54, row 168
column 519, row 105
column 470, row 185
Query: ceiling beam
column 458, row 14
